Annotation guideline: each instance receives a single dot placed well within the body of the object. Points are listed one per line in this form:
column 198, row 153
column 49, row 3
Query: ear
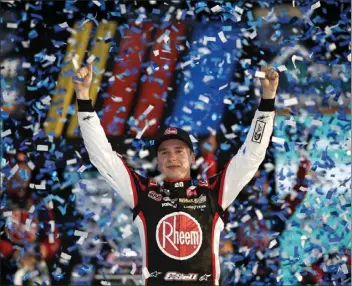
column 193, row 158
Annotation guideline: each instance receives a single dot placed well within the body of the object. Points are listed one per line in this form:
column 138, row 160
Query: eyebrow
column 177, row 147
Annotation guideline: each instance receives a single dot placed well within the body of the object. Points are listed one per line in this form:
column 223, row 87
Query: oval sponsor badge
column 179, row 235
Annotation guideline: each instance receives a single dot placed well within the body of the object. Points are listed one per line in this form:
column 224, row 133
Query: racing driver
column 180, row 219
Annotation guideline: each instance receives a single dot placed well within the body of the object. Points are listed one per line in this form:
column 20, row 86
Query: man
column 179, row 220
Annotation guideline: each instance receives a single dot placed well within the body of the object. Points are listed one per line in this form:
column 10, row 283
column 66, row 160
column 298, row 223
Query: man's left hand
column 269, row 83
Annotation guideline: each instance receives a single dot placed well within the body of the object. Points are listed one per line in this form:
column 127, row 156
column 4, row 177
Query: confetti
column 290, row 101
column 222, row 37
column 315, row 6
column 259, row 74
column 282, row 68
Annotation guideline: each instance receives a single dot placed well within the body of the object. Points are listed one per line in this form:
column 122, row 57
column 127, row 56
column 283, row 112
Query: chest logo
column 179, row 235
column 155, row 196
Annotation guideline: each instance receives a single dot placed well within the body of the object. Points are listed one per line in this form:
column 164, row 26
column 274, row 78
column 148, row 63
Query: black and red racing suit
column 179, row 222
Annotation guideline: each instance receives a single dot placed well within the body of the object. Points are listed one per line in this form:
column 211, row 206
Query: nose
column 171, row 156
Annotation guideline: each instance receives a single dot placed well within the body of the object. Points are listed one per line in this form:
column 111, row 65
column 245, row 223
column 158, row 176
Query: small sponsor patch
column 170, row 130
column 155, row 196
column 258, row 131
column 203, row 183
column 177, row 276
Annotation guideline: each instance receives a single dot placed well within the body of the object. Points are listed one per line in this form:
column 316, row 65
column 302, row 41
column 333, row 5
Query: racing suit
column 179, row 222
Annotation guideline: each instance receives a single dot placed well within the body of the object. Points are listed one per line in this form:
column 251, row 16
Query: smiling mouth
column 173, row 167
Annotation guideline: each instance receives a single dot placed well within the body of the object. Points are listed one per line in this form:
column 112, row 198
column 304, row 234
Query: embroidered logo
column 170, row 130
column 88, row 117
column 258, row 131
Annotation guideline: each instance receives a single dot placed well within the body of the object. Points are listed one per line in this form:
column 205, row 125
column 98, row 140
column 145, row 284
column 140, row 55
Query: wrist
column 83, row 95
column 269, row 94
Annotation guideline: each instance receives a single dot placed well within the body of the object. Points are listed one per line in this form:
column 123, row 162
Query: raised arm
column 242, row 167
column 109, row 164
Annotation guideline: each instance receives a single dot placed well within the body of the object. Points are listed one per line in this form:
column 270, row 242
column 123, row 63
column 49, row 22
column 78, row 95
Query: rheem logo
column 179, row 235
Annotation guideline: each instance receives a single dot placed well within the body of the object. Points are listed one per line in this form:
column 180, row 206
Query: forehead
column 172, row 143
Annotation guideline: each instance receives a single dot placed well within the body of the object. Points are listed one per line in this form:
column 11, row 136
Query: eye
column 164, row 153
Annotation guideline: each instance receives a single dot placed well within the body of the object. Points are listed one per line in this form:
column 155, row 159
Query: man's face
column 175, row 159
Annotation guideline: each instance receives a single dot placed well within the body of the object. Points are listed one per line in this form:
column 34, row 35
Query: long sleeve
column 242, row 167
column 109, row 164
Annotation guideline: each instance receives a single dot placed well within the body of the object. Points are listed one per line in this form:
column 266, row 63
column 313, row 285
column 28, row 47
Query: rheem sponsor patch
column 179, row 235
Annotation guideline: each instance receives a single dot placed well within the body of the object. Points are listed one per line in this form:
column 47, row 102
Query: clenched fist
column 269, row 83
column 82, row 81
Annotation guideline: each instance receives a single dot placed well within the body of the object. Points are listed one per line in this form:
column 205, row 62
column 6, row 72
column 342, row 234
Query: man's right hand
column 82, row 81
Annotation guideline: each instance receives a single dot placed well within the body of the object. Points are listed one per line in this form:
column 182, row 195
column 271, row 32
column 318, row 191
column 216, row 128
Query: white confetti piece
column 349, row 57
column 65, row 256
column 245, row 218
column 106, row 201
column 114, row 268
column 207, row 78
column 80, row 233
column 227, row 101
column 134, row 268
column 63, row 25
column 141, row 132
column 143, row 153
column 26, row 65
column 42, row 148
column 156, row 52
column 6, row 133
column 303, row 189
column 282, row 68
column 316, row 122
column 107, row 283
column 278, row 140
column 193, row 139
column 303, row 240
column 332, row 47
column 204, row 98
column 315, row 6
column 97, row 3
column 295, row 58
column 145, row 273
column 14, row 170
column 81, row 169
column 238, row 9
column 187, row 110
column 71, row 161
column 223, row 86
column 216, row 9
column 255, row 268
column 7, row 213
column 259, row 255
column 123, row 8
column 146, row 112
column 75, row 64
column 116, row 99
column 344, row 268
column 222, row 37
column 253, row 34
column 91, row 59
column 298, row 276
column 259, row 74
column 32, row 209
column 31, row 165
column 290, row 101
column 272, row 243
column 309, row 103
column 259, row 214
column 209, row 39
column 12, row 25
